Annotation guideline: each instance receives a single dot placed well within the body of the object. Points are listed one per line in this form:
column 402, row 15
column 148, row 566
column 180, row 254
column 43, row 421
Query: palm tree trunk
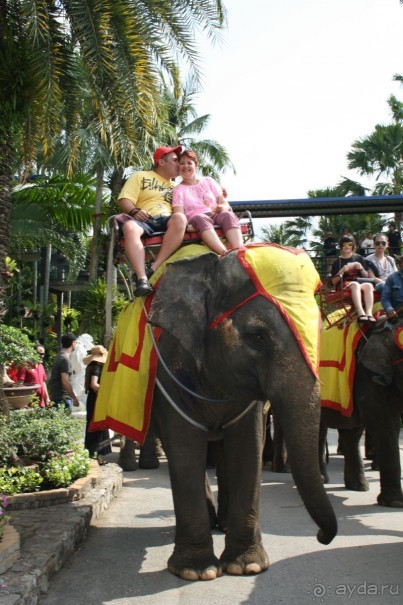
column 97, row 225
column 6, row 175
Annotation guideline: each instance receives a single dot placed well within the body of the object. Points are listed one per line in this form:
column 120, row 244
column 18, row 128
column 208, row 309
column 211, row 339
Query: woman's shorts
column 225, row 220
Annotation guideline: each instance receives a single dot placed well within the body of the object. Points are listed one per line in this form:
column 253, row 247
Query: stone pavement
column 50, row 535
column 122, row 561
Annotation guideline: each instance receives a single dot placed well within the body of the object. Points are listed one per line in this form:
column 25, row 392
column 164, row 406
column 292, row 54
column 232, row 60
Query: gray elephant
column 378, row 405
column 224, row 350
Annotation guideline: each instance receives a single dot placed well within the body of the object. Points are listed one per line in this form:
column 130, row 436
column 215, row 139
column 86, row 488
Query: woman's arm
column 94, row 383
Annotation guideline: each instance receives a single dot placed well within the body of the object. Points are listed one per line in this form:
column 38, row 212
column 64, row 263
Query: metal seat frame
column 152, row 245
column 336, row 305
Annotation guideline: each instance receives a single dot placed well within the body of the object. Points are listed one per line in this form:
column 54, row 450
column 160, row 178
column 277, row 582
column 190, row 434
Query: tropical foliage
column 381, row 153
column 41, row 449
column 92, row 304
column 16, row 347
column 76, row 71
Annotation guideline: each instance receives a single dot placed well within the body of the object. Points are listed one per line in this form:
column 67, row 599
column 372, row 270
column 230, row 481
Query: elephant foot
column 253, row 561
column 390, row 500
column 324, row 476
column 128, row 465
column 149, row 463
column 280, row 467
column 193, row 569
column 356, row 487
column 127, row 457
column 356, row 482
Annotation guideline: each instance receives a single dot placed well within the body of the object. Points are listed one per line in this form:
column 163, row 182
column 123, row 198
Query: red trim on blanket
column 334, row 405
column 118, row 427
column 134, row 360
column 124, row 429
column 221, row 318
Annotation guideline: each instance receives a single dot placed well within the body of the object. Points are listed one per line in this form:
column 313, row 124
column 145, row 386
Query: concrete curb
column 49, row 535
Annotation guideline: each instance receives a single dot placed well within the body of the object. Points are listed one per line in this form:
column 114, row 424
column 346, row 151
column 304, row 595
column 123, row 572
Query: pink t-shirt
column 197, row 199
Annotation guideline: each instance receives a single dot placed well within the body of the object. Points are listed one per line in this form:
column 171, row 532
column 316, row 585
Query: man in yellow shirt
column 145, row 201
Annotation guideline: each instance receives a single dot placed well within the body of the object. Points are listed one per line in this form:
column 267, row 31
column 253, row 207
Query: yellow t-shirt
column 150, row 192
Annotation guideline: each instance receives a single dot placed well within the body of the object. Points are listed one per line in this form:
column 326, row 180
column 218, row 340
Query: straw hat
column 98, row 353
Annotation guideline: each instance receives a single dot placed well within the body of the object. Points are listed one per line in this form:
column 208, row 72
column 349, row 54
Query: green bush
column 19, row 479
column 16, row 347
column 50, row 441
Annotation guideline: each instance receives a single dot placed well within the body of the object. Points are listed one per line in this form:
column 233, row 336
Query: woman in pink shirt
column 202, row 201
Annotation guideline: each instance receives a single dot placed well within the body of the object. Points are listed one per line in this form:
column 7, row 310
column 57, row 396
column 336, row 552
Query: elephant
column 213, row 379
column 377, row 408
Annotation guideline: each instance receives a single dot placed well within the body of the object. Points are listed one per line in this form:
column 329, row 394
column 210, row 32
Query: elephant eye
column 255, row 339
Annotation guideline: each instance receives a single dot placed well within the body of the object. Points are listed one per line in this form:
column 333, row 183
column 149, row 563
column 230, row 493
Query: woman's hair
column 190, row 154
column 379, row 235
column 347, row 239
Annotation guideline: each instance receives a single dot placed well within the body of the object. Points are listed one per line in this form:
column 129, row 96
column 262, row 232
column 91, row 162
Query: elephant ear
column 180, row 304
column 377, row 353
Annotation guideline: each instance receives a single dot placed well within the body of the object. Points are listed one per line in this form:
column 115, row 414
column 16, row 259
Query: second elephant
column 378, row 406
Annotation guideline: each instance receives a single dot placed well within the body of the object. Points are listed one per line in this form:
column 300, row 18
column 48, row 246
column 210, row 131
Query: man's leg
column 134, row 249
column 172, row 239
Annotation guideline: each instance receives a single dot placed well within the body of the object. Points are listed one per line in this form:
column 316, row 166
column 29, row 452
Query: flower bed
column 40, row 450
column 76, row 491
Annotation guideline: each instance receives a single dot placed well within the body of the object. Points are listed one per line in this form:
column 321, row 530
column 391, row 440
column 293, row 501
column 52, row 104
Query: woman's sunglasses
column 380, row 243
column 347, row 244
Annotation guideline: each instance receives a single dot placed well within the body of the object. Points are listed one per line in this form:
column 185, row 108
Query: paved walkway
column 122, row 561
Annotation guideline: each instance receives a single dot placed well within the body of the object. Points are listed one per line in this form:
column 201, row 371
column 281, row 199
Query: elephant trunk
column 301, row 433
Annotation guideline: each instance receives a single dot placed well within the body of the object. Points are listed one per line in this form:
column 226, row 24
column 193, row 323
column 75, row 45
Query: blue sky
column 293, row 84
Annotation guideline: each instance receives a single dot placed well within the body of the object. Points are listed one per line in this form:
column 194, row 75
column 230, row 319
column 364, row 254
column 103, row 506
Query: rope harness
column 175, row 406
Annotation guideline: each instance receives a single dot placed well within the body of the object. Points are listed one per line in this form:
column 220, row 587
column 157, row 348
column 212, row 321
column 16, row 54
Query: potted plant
column 18, row 350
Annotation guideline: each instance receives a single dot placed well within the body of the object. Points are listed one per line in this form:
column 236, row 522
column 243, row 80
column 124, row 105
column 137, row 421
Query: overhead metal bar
column 319, row 206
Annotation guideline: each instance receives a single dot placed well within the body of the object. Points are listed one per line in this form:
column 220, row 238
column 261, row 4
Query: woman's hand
column 142, row 215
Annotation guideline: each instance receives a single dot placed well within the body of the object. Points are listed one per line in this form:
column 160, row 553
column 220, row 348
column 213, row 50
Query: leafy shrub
column 61, row 471
column 15, row 346
column 50, row 439
column 19, row 479
column 35, row 432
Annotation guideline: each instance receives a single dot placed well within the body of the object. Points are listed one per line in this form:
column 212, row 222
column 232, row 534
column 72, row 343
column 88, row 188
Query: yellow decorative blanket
column 337, row 364
column 290, row 284
column 337, row 367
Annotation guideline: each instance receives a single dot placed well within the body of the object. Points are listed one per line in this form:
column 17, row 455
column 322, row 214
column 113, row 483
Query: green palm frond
column 69, row 203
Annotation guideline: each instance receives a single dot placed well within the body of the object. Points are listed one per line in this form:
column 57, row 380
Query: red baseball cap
column 161, row 151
